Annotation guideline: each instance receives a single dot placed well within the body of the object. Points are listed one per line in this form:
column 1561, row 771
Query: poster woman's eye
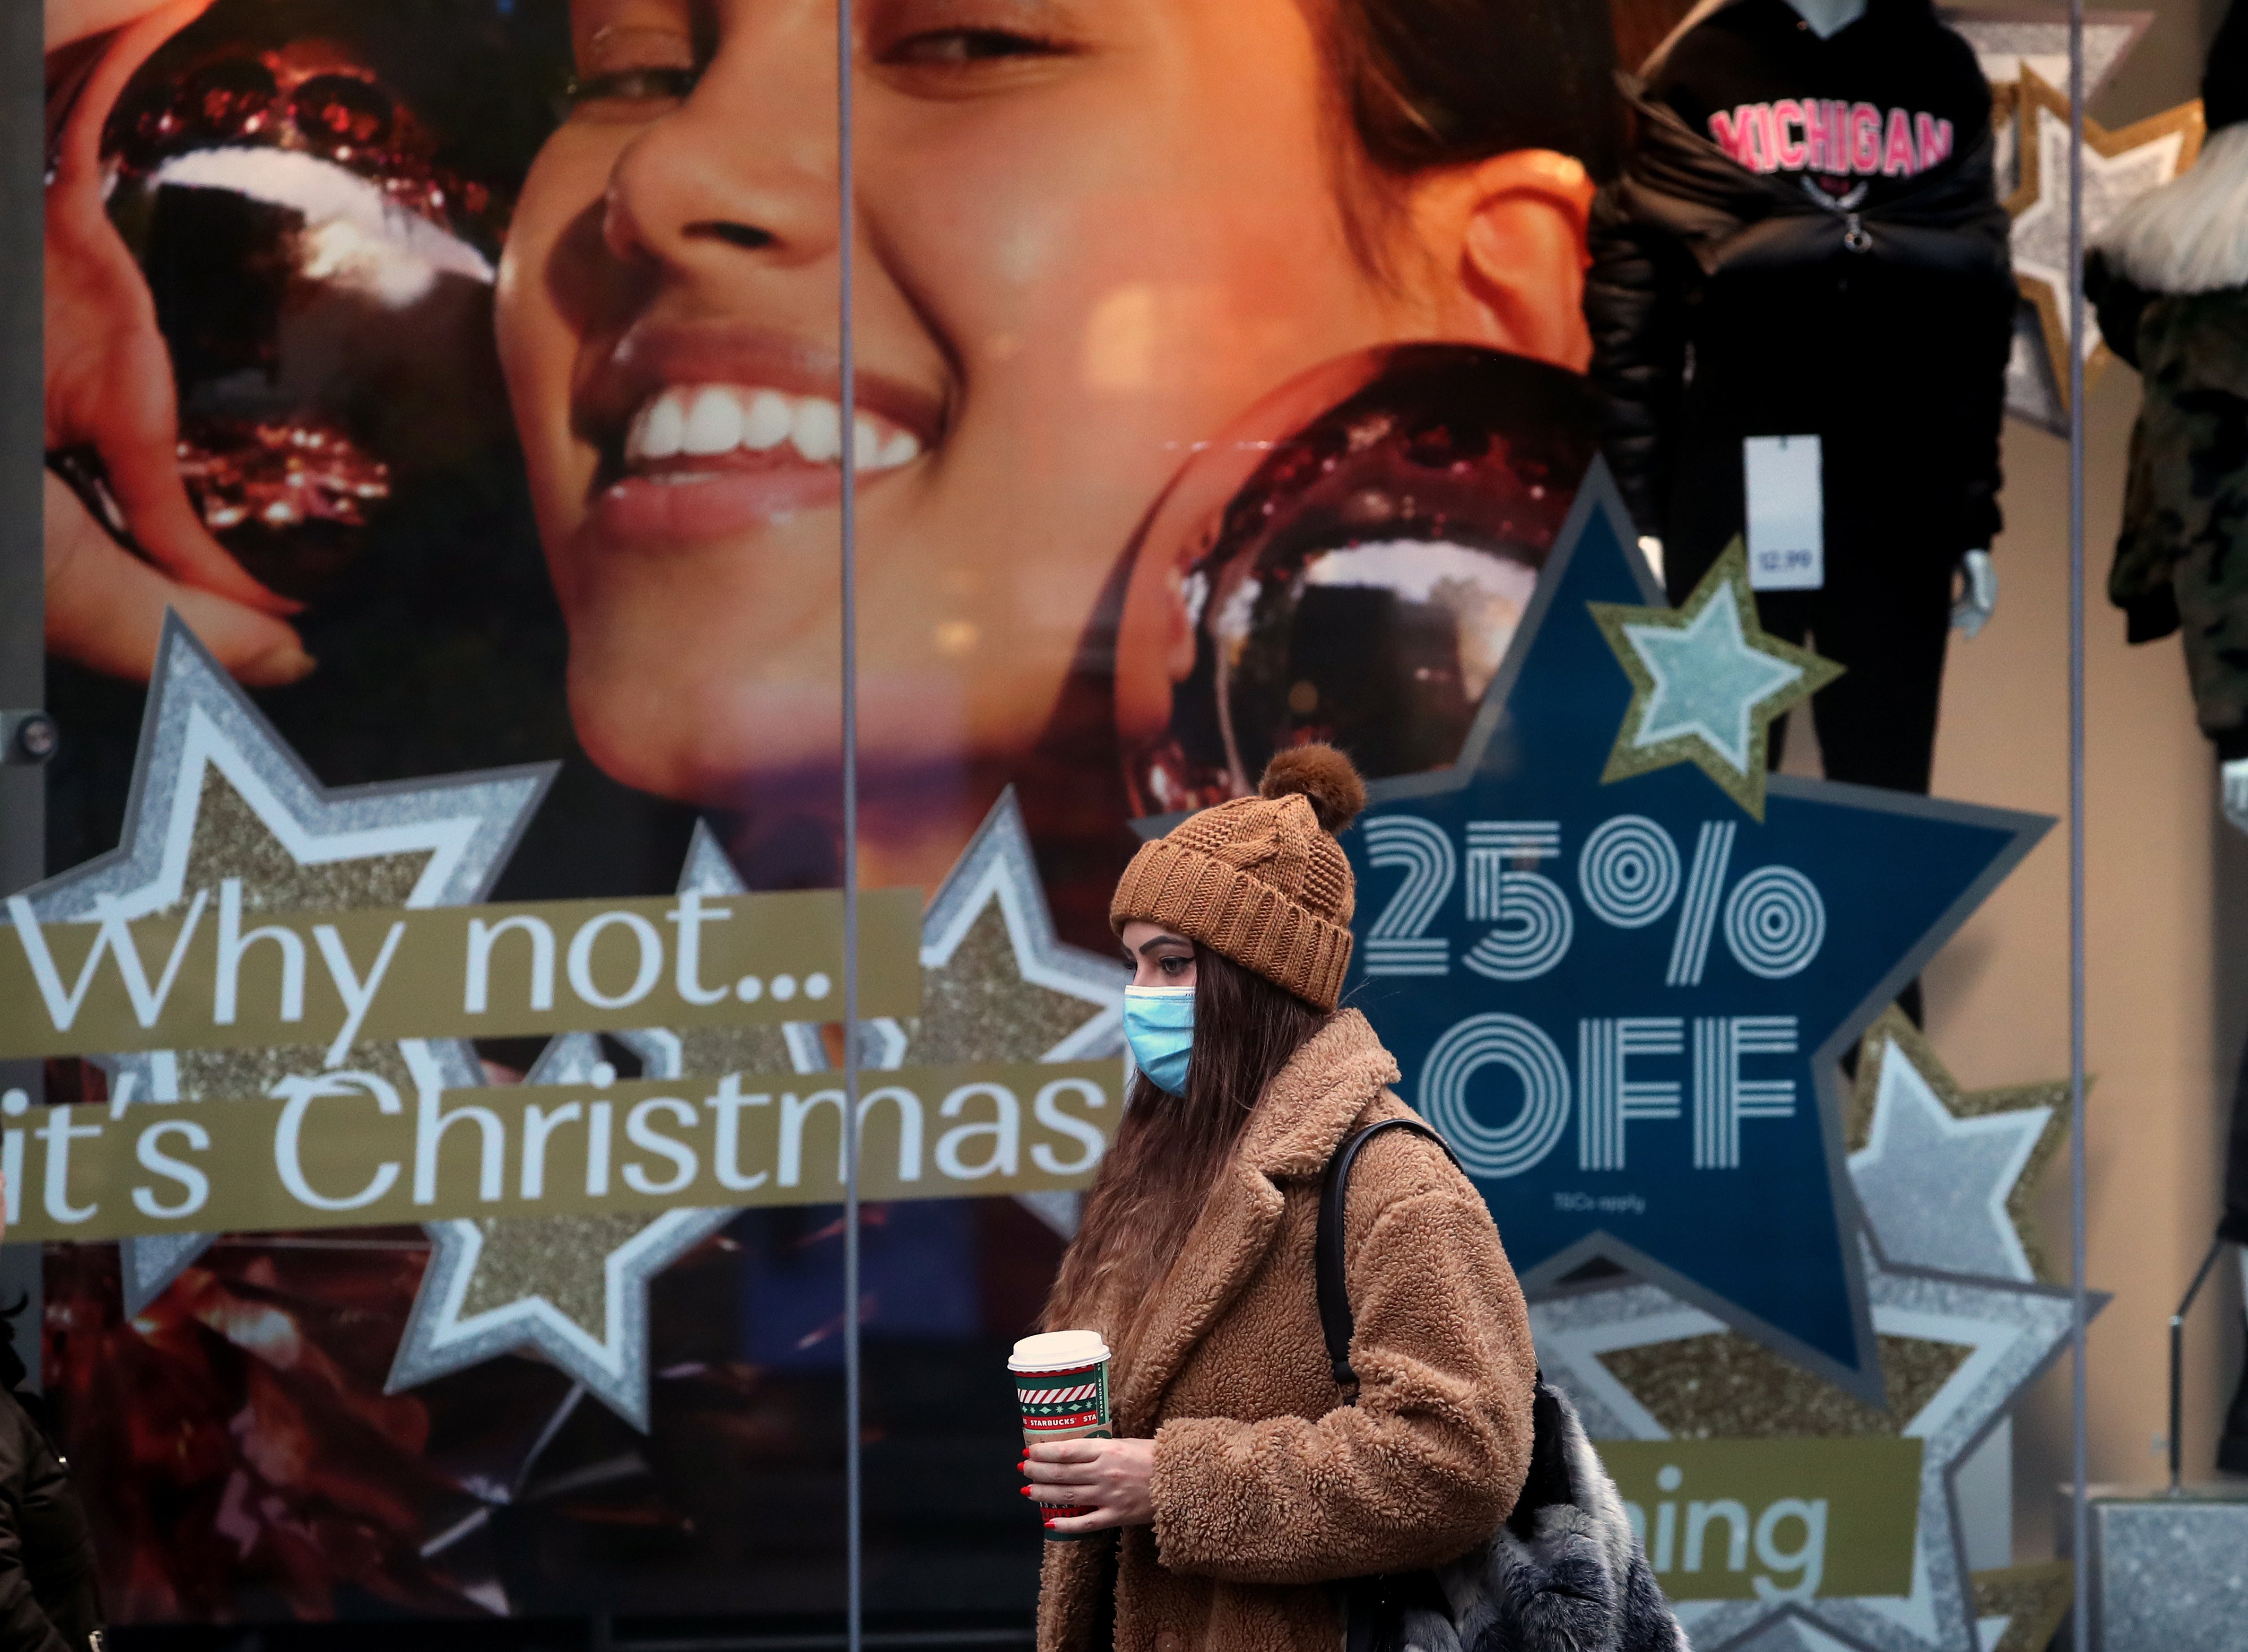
column 632, row 85
column 950, row 48
column 631, row 73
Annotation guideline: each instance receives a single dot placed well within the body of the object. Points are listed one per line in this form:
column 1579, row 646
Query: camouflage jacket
column 2182, row 559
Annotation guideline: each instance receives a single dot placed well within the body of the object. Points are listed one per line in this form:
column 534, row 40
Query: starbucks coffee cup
column 1061, row 1382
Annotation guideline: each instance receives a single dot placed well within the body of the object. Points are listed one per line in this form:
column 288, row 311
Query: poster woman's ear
column 1505, row 242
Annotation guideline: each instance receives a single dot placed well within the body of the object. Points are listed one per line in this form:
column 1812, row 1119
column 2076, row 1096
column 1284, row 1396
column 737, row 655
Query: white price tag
column 1787, row 513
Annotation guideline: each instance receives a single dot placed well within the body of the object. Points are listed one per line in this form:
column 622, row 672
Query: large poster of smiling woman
column 464, row 372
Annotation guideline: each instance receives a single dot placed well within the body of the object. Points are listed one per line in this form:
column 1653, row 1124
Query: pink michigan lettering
column 1829, row 136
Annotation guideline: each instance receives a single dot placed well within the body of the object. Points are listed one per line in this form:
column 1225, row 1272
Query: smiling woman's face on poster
column 1088, row 235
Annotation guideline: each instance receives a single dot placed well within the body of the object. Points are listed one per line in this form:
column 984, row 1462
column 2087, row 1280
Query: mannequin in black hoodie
column 1807, row 240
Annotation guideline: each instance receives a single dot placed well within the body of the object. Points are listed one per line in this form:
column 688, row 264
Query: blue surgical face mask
column 1159, row 1025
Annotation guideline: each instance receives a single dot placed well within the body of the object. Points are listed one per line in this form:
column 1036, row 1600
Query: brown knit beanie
column 1261, row 880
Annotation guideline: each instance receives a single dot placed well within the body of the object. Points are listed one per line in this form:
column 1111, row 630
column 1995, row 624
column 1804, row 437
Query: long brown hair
column 1433, row 83
column 1416, row 84
column 1171, row 1149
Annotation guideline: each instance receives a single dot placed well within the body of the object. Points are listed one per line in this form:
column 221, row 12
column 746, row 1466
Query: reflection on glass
column 1215, row 377
column 1360, row 585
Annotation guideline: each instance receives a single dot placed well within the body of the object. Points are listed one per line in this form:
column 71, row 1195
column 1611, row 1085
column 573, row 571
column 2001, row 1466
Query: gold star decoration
column 1721, row 1386
column 1642, row 1364
column 219, row 797
column 2033, row 1600
column 1708, row 681
column 574, row 1289
column 997, row 985
column 2119, row 168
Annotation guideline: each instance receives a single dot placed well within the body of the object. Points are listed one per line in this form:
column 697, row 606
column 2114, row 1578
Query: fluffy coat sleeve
column 1433, row 1455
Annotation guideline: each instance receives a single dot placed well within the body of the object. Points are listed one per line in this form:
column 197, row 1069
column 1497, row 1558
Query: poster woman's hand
column 109, row 386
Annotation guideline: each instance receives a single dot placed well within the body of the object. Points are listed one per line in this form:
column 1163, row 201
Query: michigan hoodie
column 1807, row 240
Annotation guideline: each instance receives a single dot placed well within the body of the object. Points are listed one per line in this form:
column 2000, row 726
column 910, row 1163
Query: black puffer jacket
column 49, row 1595
column 1726, row 303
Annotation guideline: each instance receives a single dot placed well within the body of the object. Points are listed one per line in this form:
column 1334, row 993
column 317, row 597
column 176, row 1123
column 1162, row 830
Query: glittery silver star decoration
column 574, row 1289
column 1970, row 1348
column 999, row 984
column 1708, row 683
column 1792, row 1635
column 1002, row 985
column 217, row 793
column 708, row 1052
column 2013, row 41
column 1936, row 1190
column 2119, row 168
column 2009, row 40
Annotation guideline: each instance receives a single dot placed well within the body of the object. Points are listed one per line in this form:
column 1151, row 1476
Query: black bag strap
column 1335, row 1320
column 1374, row 1605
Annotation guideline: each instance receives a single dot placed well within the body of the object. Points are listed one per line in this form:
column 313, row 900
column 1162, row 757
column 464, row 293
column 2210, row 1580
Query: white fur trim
column 2191, row 235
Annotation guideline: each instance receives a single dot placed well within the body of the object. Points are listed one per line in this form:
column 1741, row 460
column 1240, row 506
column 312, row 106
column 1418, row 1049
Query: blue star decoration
column 1623, row 1004
column 1709, row 681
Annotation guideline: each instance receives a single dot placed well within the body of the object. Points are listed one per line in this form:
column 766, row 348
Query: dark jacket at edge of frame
column 2182, row 558
column 50, row 1589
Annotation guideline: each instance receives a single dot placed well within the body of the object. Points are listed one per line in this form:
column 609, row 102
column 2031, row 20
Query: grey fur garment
column 1581, row 1584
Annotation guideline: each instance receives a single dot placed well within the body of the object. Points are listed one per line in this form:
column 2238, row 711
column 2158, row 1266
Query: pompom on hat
column 1261, row 880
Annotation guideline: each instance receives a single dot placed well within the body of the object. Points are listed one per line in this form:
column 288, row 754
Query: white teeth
column 666, row 428
column 818, row 432
column 714, row 424
column 767, row 422
column 705, row 421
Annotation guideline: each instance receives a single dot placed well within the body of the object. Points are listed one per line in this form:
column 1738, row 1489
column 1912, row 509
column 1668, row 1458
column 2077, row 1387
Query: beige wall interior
column 2167, row 920
column 2164, row 981
column 2167, row 914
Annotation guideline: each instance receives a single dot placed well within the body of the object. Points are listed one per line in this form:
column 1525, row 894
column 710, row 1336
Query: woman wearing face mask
column 1245, row 1481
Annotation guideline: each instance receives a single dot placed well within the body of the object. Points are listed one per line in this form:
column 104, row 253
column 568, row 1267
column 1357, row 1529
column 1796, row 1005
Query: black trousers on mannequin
column 1876, row 722
column 1885, row 618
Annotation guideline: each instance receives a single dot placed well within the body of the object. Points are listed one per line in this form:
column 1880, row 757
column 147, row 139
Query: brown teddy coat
column 1268, row 1486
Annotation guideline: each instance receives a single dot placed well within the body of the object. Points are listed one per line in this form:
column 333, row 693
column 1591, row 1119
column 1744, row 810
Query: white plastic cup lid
column 1052, row 1348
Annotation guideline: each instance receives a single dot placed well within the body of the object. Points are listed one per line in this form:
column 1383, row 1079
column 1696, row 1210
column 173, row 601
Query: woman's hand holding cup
column 1103, row 1482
